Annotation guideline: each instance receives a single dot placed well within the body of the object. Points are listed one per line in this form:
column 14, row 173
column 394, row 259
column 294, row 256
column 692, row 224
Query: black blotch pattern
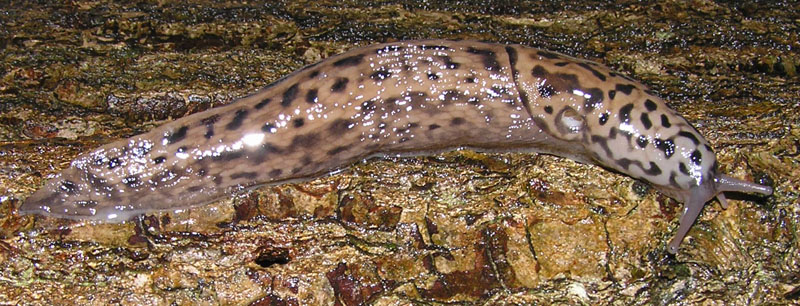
column 594, row 100
column 228, row 156
column 433, row 126
column 665, row 121
column 452, row 95
column 340, row 85
column 275, row 172
column 682, row 167
column 311, row 96
column 289, row 95
column 642, row 141
column 545, row 90
column 650, row 105
column 612, row 94
column 368, row 106
column 696, row 157
column 237, row 120
column 594, row 72
column 548, row 109
column 193, row 189
column 625, row 113
column 654, row 169
column 340, row 126
column 433, row 47
column 337, row 150
column 159, row 160
column 113, row 163
column 433, row 76
column 603, row 118
column 68, row 186
column 262, row 103
column 603, row 143
column 562, row 64
column 132, row 181
column 457, row 121
column 624, row 163
column 298, row 122
column 305, row 141
column 349, row 61
column 209, row 123
column 313, row 74
column 689, row 135
column 245, row 175
column 539, row 71
column 646, row 121
column 626, row 89
column 178, row 135
column 665, row 145
column 512, row 56
column 381, row 75
column 489, row 58
column 182, row 149
column 612, row 133
column 471, row 80
column 449, row 63
column 269, row 128
column 202, row 172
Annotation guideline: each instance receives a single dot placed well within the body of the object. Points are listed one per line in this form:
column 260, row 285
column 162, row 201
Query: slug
column 397, row 99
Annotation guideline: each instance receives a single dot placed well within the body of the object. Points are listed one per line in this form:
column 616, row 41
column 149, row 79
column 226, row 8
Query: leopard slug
column 393, row 99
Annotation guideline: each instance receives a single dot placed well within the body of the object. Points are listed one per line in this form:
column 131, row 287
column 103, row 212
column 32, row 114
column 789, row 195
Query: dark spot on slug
column 612, row 133
column 178, row 135
column 626, row 89
column 209, row 123
column 340, row 85
column 245, row 175
column 625, row 113
column 132, row 181
column 202, row 172
column 594, row 72
column 298, row 122
column 650, row 105
column 228, row 156
column 562, row 64
column 304, row 141
column 642, row 141
column 646, row 121
column 603, row 143
column 603, row 118
column 194, row 189
column 666, row 145
column 337, row 150
column 489, row 58
column 289, row 95
column 275, row 172
column 471, row 80
column 433, row 47
column 548, row 109
column 689, row 135
column 682, row 167
column 313, row 74
column 381, row 75
column 433, row 126
column 269, row 128
column 512, row 56
column 262, row 103
column 665, row 121
column 159, row 160
column 340, row 126
column 612, row 94
column 594, row 100
column 181, row 149
column 432, row 76
column 449, row 63
column 624, row 163
column 539, row 72
column 349, row 61
column 545, row 90
column 654, row 170
column 311, row 96
column 696, row 157
column 238, row 119
column 113, row 163
column 457, row 121
column 68, row 186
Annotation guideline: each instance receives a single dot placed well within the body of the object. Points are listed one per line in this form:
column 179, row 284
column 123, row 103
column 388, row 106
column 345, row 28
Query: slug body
column 400, row 98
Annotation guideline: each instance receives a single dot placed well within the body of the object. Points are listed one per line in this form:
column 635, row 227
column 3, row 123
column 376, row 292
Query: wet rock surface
column 459, row 227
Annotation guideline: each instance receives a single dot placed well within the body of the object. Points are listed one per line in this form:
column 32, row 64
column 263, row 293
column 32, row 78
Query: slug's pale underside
column 399, row 98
